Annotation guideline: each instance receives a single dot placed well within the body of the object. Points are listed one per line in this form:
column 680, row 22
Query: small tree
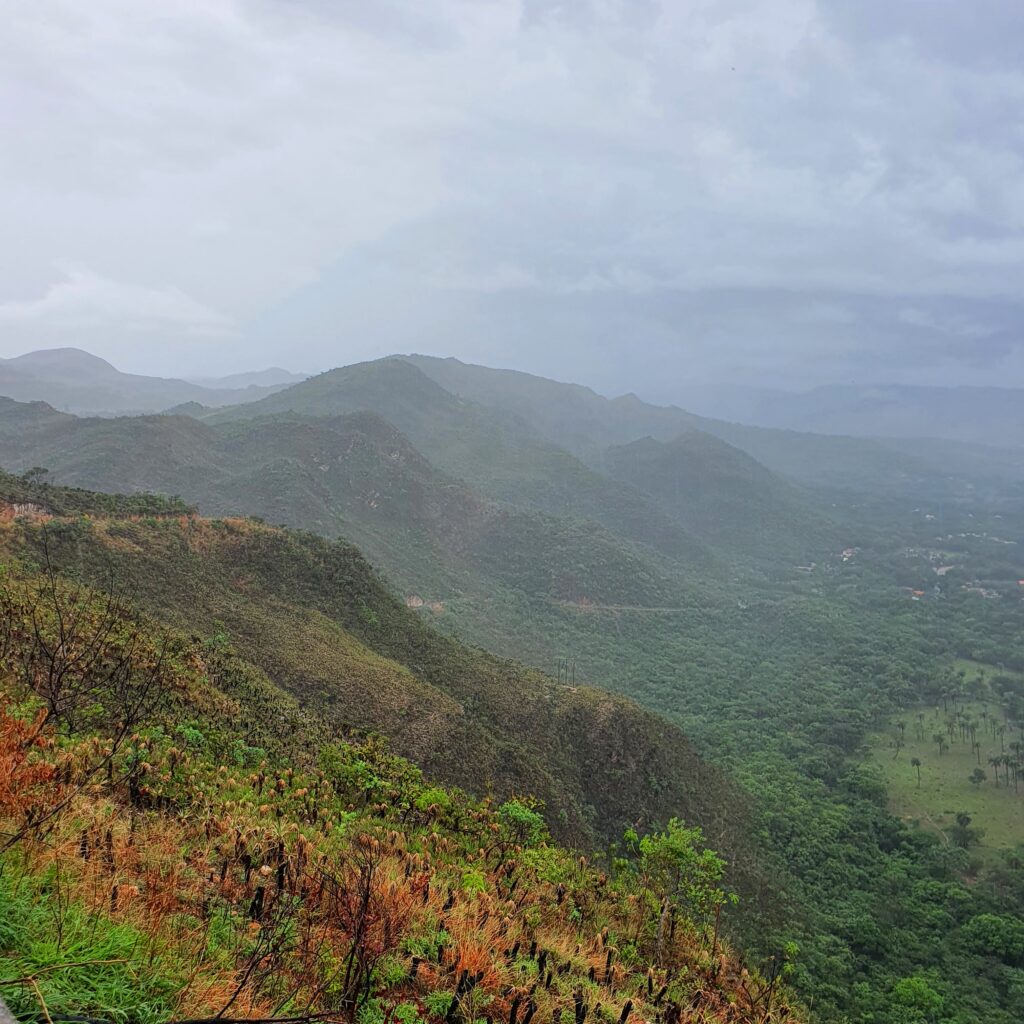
column 914, row 1001
column 978, row 776
column 677, row 874
column 524, row 824
column 962, row 833
column 916, row 762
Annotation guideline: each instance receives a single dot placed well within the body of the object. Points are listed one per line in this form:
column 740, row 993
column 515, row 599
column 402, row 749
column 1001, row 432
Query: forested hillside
column 315, row 618
column 182, row 839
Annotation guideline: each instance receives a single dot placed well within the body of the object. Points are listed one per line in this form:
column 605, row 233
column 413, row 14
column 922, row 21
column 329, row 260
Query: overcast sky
column 640, row 195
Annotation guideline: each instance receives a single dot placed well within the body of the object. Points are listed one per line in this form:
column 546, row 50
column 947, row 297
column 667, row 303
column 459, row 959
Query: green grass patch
column 81, row 963
column 980, row 669
column 945, row 788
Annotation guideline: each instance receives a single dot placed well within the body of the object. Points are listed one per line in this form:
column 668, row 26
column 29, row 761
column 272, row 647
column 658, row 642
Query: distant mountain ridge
column 272, row 376
column 991, row 416
column 545, row 451
column 76, row 381
column 587, row 424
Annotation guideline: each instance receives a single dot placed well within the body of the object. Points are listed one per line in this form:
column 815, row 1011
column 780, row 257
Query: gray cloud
column 782, row 191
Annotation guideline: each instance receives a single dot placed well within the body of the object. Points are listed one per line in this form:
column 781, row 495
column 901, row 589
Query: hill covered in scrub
column 181, row 839
column 313, row 616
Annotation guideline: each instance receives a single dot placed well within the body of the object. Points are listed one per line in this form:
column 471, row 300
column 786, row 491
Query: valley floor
column 947, row 784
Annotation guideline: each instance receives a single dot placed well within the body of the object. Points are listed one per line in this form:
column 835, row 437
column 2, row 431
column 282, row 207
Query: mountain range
column 76, row 381
column 587, row 423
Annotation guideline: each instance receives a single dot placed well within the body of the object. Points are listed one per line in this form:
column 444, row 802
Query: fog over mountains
column 73, row 380
column 76, row 381
column 992, row 416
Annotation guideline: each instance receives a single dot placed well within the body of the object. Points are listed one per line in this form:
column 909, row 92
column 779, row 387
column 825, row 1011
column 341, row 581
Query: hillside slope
column 725, row 495
column 352, row 475
column 312, row 615
column 162, row 857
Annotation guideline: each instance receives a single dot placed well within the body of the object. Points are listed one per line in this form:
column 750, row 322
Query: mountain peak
column 71, row 359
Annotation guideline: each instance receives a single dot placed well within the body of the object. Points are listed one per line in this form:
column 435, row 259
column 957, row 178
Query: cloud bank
column 626, row 191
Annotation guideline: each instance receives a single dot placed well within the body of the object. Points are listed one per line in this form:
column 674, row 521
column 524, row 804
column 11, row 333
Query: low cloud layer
column 628, row 192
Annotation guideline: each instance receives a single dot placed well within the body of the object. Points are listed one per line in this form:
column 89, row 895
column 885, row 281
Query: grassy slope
column 201, row 875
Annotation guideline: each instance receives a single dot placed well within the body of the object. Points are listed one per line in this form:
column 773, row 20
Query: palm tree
column 995, row 761
column 916, row 762
column 1007, row 761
